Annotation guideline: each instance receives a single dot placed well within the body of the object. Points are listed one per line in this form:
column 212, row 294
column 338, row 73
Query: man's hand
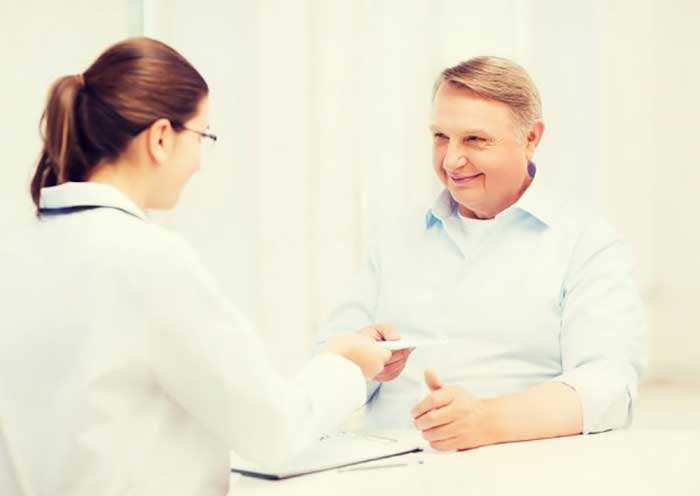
column 450, row 417
column 397, row 362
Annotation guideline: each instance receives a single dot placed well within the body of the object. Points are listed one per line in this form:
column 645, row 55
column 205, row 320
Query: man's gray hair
column 498, row 79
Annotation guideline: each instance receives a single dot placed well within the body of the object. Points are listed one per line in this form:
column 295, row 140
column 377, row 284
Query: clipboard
column 330, row 452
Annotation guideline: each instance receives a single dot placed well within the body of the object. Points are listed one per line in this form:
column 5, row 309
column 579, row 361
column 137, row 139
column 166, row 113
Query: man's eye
column 474, row 139
column 439, row 136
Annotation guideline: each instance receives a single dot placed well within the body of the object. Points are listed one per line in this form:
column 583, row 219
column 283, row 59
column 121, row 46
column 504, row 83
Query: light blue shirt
column 543, row 292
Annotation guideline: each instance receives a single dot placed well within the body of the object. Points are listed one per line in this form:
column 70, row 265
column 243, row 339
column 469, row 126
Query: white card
column 402, row 344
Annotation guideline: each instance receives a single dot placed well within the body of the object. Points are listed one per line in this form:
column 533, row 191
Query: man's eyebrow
column 433, row 128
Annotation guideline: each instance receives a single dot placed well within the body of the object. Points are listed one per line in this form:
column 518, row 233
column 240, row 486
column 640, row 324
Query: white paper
column 402, row 344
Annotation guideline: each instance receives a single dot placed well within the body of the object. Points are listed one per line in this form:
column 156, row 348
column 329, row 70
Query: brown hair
column 498, row 79
column 95, row 115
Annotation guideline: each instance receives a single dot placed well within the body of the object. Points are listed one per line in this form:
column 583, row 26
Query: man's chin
column 467, row 200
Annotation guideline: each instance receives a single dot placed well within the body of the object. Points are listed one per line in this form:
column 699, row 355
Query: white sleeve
column 604, row 334
column 207, row 358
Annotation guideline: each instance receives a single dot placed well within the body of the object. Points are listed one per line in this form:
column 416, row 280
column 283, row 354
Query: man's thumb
column 432, row 380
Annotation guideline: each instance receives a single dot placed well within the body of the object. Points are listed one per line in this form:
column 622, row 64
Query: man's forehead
column 468, row 112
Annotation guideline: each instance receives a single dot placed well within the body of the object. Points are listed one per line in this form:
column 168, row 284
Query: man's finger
column 432, row 380
column 388, row 374
column 393, row 368
column 445, row 445
column 399, row 355
column 440, row 433
column 434, row 418
column 436, row 399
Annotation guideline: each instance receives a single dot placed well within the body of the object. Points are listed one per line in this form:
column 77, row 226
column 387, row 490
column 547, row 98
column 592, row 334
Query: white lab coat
column 123, row 370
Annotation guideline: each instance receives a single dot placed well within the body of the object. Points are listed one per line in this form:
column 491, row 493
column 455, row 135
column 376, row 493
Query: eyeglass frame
column 178, row 126
column 213, row 137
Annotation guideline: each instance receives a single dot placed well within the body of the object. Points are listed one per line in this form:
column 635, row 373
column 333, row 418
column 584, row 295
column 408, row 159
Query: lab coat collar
column 76, row 195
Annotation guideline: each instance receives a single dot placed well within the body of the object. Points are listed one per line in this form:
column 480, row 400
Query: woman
column 122, row 368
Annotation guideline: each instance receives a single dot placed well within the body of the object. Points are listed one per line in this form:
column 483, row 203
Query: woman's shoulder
column 118, row 241
column 159, row 246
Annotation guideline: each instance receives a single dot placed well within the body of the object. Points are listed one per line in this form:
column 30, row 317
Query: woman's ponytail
column 62, row 158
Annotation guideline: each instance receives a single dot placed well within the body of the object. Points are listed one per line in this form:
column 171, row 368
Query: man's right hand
column 397, row 361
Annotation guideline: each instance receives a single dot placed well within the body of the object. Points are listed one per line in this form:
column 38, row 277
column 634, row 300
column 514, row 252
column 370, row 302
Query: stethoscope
column 51, row 212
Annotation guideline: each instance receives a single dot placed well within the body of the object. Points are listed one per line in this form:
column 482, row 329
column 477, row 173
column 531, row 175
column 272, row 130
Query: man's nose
column 454, row 162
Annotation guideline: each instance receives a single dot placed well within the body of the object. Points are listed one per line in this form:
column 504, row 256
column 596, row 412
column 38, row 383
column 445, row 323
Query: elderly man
column 542, row 327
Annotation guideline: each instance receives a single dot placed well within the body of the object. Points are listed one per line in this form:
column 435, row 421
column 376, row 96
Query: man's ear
column 533, row 137
column 158, row 140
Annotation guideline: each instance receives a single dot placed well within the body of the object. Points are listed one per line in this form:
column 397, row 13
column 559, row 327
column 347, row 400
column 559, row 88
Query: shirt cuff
column 606, row 398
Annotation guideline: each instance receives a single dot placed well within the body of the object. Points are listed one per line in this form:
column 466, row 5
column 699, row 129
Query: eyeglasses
column 207, row 139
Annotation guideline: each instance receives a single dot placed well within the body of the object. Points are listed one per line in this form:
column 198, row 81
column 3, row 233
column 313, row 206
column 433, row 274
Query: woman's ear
column 158, row 140
column 533, row 137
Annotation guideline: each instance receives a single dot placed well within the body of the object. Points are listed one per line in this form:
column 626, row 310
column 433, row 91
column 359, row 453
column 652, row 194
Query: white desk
column 634, row 462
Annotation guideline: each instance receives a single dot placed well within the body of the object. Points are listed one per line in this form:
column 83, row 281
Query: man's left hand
column 450, row 417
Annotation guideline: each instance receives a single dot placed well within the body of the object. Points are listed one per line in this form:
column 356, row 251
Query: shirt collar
column 87, row 194
column 536, row 201
column 443, row 208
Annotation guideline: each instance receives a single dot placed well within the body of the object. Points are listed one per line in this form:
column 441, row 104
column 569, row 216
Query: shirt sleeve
column 356, row 308
column 205, row 355
column 604, row 331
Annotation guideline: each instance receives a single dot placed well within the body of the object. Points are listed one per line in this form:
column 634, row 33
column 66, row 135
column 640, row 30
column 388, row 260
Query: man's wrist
column 495, row 423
